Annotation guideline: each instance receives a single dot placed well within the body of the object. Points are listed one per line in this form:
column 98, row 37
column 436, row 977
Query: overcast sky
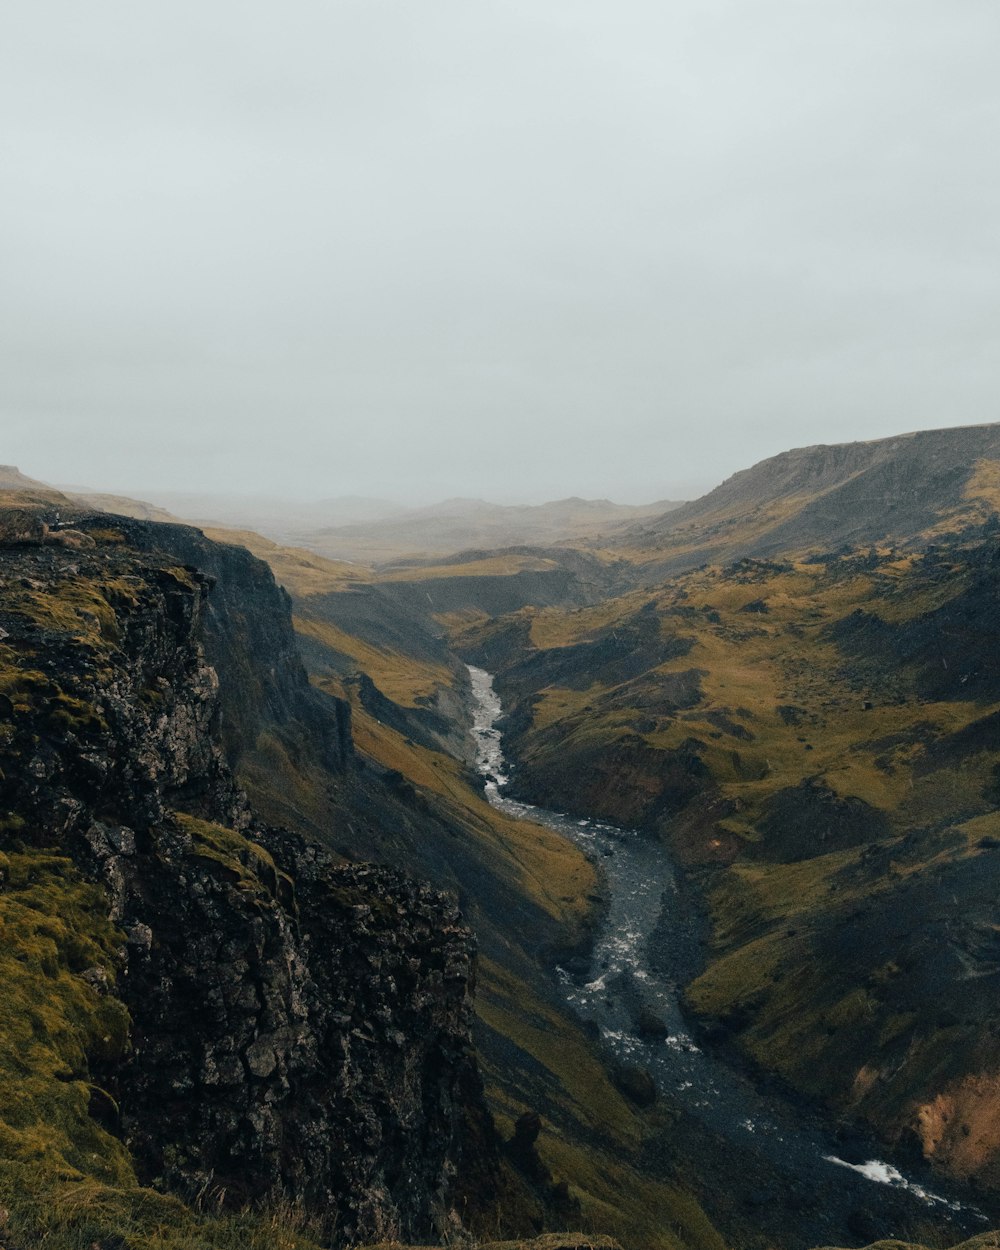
column 510, row 248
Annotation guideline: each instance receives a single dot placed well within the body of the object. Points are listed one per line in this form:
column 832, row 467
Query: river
column 623, row 981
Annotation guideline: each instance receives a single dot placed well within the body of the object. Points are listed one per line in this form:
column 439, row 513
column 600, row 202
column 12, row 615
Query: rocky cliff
column 218, row 1009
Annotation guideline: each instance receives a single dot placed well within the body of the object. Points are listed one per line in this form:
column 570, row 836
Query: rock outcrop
column 299, row 1031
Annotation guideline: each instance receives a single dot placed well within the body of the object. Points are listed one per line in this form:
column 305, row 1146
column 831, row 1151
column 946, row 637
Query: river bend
column 622, row 981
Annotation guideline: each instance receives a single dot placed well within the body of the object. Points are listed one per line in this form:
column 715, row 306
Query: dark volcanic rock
column 246, row 631
column 299, row 1031
column 635, row 1083
column 854, row 493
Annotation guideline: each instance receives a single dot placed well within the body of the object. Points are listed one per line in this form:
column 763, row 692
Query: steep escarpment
column 199, row 1002
column 269, row 714
column 817, row 740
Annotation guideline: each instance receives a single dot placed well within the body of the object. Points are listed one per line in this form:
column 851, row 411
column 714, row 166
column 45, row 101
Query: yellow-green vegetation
column 534, row 1057
column 546, row 868
column 501, row 565
column 82, row 1214
column 301, row 572
column 246, row 864
column 546, row 1241
column 67, row 1183
column 820, row 741
column 402, row 678
column 778, row 703
column 306, row 576
column 980, row 500
column 985, row 1241
column 591, row 1136
column 54, row 1021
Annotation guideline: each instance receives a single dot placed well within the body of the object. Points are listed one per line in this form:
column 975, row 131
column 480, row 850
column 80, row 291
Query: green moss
column 76, row 716
column 52, row 1022
column 249, row 866
column 65, row 1181
column 82, row 1214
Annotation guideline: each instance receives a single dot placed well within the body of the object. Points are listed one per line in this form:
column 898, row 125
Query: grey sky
column 510, row 248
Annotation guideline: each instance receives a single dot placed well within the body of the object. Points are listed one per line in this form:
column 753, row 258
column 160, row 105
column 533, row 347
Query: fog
column 506, row 249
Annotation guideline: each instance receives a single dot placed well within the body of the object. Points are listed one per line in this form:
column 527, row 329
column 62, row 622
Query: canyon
column 781, row 701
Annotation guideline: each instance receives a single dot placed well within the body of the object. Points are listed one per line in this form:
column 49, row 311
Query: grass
column 534, row 1057
column 546, row 869
column 404, row 679
column 492, row 566
column 590, row 1135
column 301, row 572
column 67, row 1183
column 795, row 969
column 756, row 665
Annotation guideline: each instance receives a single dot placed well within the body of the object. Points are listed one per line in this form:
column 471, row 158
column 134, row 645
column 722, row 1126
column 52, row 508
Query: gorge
column 644, row 953
column 720, row 974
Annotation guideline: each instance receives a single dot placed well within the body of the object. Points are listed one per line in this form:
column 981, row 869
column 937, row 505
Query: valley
column 646, row 949
column 721, row 819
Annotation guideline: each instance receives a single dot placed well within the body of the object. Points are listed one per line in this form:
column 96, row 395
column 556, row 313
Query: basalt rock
column 300, row 1031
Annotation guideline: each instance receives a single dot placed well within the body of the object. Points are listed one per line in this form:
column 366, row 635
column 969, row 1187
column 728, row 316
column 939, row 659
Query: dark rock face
column 247, row 635
column 951, row 648
column 300, row 1031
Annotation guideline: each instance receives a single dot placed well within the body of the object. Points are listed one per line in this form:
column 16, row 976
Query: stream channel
column 625, row 976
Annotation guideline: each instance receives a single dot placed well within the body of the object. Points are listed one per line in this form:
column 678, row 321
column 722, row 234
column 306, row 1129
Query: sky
column 514, row 249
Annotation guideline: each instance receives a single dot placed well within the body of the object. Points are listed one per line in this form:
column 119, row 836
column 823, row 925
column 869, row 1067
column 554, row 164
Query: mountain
column 460, row 524
column 196, row 761
column 11, row 478
column 358, row 529
column 898, row 490
column 210, row 1004
column 26, row 496
column 121, row 505
column 18, row 490
column 580, row 746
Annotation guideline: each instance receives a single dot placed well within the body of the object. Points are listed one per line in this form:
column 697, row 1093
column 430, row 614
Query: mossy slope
column 818, row 740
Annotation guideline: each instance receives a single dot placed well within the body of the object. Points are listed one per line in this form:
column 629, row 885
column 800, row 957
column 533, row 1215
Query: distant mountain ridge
column 887, row 490
column 11, row 478
column 460, row 524
column 359, row 529
column 277, row 517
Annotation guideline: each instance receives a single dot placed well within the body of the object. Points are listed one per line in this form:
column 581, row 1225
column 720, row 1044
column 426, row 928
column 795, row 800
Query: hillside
column 528, row 895
column 812, row 734
column 142, row 743
column 279, row 517
column 818, row 742
column 406, row 692
column 11, row 478
column 900, row 490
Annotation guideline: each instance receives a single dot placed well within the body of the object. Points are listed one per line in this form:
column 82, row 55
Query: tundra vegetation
column 807, row 717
